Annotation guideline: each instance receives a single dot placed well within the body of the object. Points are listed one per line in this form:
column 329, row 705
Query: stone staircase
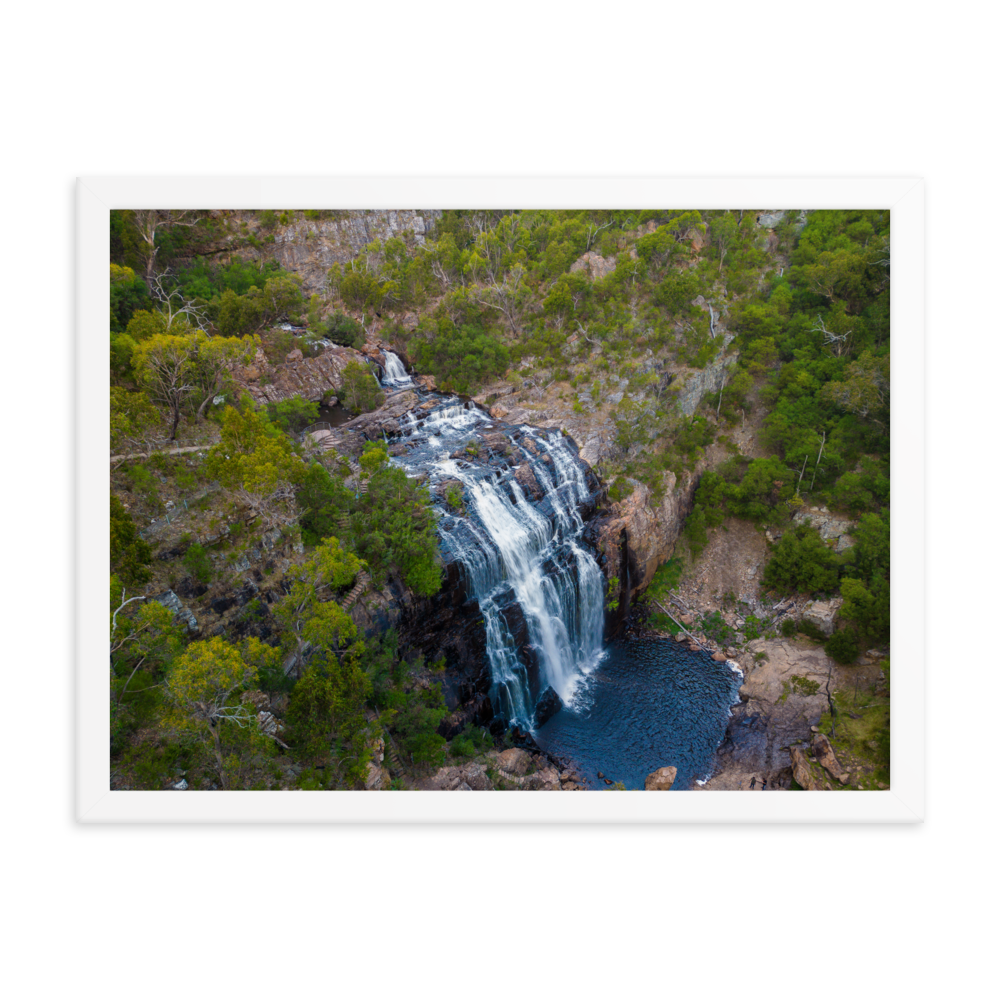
column 360, row 586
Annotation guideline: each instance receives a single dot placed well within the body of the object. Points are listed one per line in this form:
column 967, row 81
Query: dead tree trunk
column 818, row 457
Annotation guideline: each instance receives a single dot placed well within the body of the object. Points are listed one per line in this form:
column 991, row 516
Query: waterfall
column 540, row 592
column 395, row 373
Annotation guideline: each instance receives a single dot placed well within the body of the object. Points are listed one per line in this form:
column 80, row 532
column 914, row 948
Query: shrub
column 292, row 415
column 343, row 330
column 619, row 489
column 805, row 685
column 198, row 563
column 789, row 628
column 812, row 631
column 802, row 563
column 416, row 724
column 130, row 555
column 842, row 646
column 361, row 392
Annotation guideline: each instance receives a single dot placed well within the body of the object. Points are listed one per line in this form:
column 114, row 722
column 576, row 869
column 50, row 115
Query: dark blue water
column 649, row 704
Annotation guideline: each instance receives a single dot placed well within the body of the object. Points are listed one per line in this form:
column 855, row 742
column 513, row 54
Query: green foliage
column 135, row 422
column 801, row 562
column 255, row 463
column 454, row 496
column 842, row 646
column 869, row 557
column 416, row 723
column 323, row 500
column 128, row 294
column 865, row 389
column 379, row 658
column 666, row 578
column 716, row 628
column 804, row 685
column 343, row 330
column 205, row 281
column 198, row 563
column 767, row 484
column 867, row 490
column 361, row 392
column 867, row 607
column 293, row 415
column 613, row 585
column 620, row 489
column 470, row 742
column 146, row 323
column 814, row 632
column 753, row 628
column 461, row 358
column 789, row 628
column 393, row 529
column 130, row 555
column 310, row 715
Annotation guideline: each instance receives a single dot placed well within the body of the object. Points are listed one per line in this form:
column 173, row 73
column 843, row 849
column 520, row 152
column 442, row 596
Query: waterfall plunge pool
column 650, row 704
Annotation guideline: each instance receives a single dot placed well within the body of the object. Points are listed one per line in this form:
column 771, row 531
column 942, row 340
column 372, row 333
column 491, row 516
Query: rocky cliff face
column 311, row 247
column 638, row 534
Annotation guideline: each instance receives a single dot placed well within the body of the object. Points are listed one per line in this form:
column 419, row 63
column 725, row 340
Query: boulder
column 295, row 355
column 822, row 614
column 547, row 706
column 768, row 220
column 526, row 478
column 172, row 602
column 801, row 770
column 515, row 761
column 661, row 780
column 719, row 657
column 593, row 265
column 823, row 753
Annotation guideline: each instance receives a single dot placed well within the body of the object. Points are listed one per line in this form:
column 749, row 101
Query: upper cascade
column 395, row 372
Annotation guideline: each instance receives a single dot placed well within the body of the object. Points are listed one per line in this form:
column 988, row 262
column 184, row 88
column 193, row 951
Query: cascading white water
column 395, row 373
column 517, row 554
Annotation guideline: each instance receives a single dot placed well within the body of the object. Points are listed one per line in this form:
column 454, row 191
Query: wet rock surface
column 547, row 706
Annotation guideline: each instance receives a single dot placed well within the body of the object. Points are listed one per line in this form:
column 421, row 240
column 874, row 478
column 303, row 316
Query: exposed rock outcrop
column 830, row 527
column 384, row 420
column 182, row 613
column 824, row 754
column 661, row 780
column 822, row 614
column 593, row 265
column 801, row 770
column 311, row 378
column 782, row 696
